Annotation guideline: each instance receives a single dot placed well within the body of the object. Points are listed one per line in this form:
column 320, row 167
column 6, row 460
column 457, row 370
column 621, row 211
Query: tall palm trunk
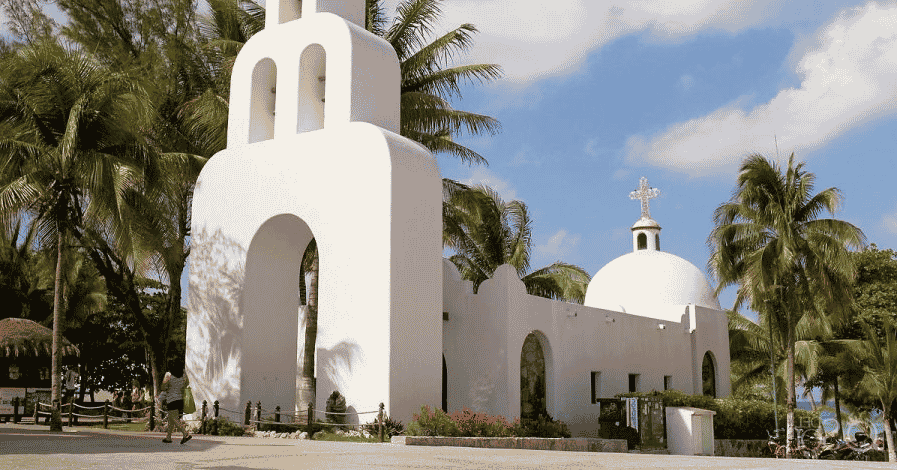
column 889, row 435
column 789, row 431
column 838, row 410
column 56, row 419
column 307, row 388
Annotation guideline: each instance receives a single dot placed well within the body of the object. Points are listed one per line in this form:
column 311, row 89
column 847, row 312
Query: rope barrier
column 335, row 413
column 89, row 407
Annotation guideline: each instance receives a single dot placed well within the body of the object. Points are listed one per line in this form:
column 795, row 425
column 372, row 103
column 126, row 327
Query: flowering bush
column 472, row 424
column 466, row 423
column 432, row 423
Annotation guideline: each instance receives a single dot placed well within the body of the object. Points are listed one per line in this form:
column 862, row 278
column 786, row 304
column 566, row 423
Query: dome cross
column 644, row 193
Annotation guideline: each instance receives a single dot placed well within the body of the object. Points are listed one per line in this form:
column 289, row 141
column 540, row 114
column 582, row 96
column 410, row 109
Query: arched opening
column 444, row 385
column 642, row 241
column 708, row 375
column 312, row 87
column 269, row 304
column 533, row 389
column 657, row 241
column 262, row 101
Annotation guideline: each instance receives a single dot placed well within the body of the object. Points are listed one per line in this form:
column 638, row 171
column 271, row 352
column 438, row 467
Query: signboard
column 6, row 398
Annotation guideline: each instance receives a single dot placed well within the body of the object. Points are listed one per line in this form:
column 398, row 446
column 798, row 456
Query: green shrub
column 391, row 427
column 227, row 427
column 336, row 403
column 472, row 424
column 543, row 426
column 432, row 423
column 735, row 418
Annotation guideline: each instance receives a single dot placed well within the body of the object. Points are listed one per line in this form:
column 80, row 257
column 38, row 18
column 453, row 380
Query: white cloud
column 488, row 178
column 559, row 246
column 848, row 77
column 686, row 82
column 889, row 222
column 534, row 39
column 525, row 157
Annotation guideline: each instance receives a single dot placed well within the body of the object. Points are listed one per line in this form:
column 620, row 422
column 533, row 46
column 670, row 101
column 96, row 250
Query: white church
column 314, row 151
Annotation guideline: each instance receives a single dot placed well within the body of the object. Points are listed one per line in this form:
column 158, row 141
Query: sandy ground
column 33, row 447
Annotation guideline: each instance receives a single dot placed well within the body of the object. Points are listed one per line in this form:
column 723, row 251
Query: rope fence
column 259, row 416
column 208, row 425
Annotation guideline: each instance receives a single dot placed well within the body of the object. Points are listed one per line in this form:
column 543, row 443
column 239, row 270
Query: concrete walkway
column 33, row 447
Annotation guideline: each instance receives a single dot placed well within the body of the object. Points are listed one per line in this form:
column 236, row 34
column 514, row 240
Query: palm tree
column 879, row 358
column 69, row 149
column 786, row 261
column 486, row 232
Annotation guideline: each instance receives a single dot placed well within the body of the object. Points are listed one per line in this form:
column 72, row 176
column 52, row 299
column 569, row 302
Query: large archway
column 533, row 379
column 708, row 375
column 270, row 305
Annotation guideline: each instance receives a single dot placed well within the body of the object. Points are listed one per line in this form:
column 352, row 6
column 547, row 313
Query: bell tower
column 313, row 151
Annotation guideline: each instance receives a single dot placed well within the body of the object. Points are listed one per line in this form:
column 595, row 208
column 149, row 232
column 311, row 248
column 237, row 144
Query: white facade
column 313, row 151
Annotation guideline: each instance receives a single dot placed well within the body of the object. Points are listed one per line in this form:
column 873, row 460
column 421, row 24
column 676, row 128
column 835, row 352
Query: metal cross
column 644, row 193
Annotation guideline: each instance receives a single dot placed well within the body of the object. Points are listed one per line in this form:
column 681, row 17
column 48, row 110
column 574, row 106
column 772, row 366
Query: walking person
column 173, row 388
column 136, row 398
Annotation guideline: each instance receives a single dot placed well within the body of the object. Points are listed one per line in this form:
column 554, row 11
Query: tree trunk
column 889, row 435
column 56, row 419
column 789, row 431
column 838, row 410
column 307, row 392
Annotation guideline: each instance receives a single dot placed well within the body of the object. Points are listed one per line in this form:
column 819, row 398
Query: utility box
column 689, row 431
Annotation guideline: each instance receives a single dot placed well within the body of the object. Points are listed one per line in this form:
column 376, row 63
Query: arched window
column 444, row 385
column 261, row 108
column 657, row 241
column 642, row 241
column 533, row 401
column 708, row 376
column 312, row 84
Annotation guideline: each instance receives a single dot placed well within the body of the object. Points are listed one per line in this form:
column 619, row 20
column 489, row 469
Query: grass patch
column 327, row 436
column 133, row 427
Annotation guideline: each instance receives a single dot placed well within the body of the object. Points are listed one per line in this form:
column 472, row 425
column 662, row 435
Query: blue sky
column 598, row 94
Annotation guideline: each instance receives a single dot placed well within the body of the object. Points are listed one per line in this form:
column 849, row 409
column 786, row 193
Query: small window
column 667, row 382
column 596, row 386
column 657, row 241
column 642, row 241
column 633, row 382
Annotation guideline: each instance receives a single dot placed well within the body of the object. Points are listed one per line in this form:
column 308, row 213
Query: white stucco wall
column 303, row 164
column 485, row 333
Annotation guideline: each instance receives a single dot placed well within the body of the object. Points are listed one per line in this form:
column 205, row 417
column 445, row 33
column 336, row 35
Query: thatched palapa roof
column 23, row 337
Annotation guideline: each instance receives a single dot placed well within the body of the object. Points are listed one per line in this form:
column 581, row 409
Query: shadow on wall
column 213, row 299
column 334, row 368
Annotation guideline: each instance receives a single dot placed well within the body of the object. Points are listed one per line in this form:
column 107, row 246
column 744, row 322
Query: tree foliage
column 486, row 232
column 787, row 262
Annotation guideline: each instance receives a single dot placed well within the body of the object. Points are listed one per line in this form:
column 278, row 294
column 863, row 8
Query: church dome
column 646, row 279
column 637, row 281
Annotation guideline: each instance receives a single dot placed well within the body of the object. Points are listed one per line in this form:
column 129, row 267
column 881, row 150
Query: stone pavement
column 32, row 447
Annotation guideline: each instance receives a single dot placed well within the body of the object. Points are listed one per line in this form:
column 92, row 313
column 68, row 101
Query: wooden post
column 277, row 414
column 71, row 411
column 202, row 422
column 247, row 413
column 380, row 421
column 215, row 419
column 258, row 415
column 106, row 414
column 36, row 409
column 311, row 418
column 15, row 410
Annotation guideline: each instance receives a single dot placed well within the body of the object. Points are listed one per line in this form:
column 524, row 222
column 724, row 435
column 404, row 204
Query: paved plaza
column 30, row 447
